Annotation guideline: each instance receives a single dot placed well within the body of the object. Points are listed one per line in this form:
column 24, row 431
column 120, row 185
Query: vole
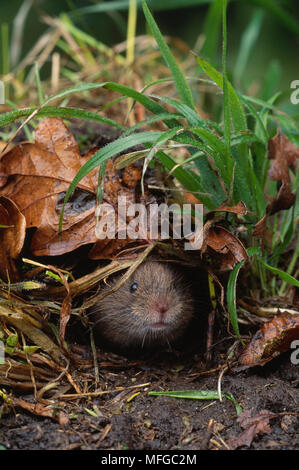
column 151, row 310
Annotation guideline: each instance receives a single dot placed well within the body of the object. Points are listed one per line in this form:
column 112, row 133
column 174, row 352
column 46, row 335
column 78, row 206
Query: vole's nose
column 162, row 307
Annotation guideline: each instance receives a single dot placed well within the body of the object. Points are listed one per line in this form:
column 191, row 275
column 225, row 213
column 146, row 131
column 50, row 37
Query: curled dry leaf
column 283, row 201
column 12, row 235
column 224, row 245
column 284, row 155
column 38, row 173
column 253, row 426
column 239, row 209
column 273, row 338
column 4, row 148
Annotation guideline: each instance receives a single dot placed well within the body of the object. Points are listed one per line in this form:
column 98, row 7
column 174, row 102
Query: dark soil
column 164, row 423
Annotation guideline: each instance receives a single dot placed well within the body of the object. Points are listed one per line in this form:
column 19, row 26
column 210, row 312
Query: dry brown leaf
column 273, row 338
column 285, row 155
column 239, row 208
column 253, row 426
column 12, row 237
column 225, row 246
column 38, row 174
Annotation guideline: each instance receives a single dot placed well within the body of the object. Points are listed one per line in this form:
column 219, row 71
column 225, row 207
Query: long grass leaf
column 54, row 111
column 282, row 274
column 155, row 4
column 211, row 30
column 180, row 81
column 198, row 395
column 248, row 40
column 231, row 297
column 238, row 115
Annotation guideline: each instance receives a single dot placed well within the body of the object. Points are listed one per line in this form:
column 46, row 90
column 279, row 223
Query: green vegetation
column 228, row 152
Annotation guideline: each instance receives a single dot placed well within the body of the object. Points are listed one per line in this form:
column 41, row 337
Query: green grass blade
column 231, row 297
column 211, row 30
column 131, row 30
column 191, row 116
column 164, row 117
column 190, row 394
column 208, row 179
column 218, row 149
column 5, row 48
column 180, row 81
column 147, row 102
column 159, row 142
column 248, row 40
column 282, row 274
column 79, row 88
column 260, row 102
column 155, row 4
column 54, row 111
column 237, row 111
column 198, row 395
column 283, row 15
column 260, row 129
column 122, row 89
column 243, row 182
column 226, row 96
column 39, row 85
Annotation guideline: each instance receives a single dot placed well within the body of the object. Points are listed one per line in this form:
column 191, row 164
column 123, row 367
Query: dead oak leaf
column 224, row 245
column 283, row 201
column 38, row 174
column 54, row 154
column 273, row 338
column 239, row 209
column 253, row 426
column 284, row 155
column 12, row 235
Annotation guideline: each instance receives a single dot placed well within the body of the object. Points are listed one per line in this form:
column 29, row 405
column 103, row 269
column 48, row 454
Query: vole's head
column 153, row 307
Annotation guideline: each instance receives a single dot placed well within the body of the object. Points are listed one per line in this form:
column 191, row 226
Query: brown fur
column 132, row 320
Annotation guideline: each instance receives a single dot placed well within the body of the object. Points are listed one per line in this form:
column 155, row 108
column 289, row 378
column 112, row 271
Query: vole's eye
column 134, row 287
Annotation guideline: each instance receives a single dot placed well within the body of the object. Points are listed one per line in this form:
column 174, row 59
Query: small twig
column 219, row 382
column 208, row 435
column 101, row 392
column 95, row 359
